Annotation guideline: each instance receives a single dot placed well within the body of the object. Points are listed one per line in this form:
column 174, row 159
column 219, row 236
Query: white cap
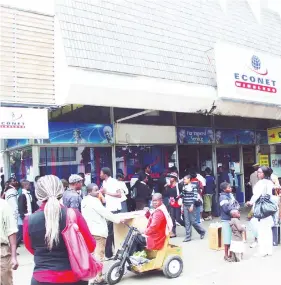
column 74, row 178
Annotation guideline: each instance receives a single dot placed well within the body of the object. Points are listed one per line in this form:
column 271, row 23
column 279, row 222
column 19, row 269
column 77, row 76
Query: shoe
column 178, row 224
column 202, row 236
column 173, row 236
column 186, row 240
column 201, row 220
column 254, row 244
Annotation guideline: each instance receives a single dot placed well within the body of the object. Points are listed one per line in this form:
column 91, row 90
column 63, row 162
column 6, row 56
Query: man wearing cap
column 71, row 198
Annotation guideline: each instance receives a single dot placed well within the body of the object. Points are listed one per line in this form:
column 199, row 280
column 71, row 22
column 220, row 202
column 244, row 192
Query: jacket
column 52, row 266
column 227, row 204
column 96, row 215
column 237, row 229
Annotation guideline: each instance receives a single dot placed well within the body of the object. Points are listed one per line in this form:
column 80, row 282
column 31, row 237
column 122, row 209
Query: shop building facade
column 159, row 80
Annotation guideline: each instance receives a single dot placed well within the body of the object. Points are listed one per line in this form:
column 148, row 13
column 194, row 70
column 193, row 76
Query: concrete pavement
column 202, row 266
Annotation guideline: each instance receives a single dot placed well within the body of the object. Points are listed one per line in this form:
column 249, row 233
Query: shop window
column 21, row 164
column 64, row 161
column 129, row 158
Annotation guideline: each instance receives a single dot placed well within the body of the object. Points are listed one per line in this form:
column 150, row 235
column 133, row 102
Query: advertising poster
column 225, row 136
column 78, row 133
column 276, row 164
column 17, row 143
column 264, row 160
column 261, row 137
column 189, row 135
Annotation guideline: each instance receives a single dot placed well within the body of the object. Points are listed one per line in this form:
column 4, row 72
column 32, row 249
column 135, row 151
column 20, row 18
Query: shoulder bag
column 83, row 264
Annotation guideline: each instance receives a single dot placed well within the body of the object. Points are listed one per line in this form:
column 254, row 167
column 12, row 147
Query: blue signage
column 261, row 137
column 190, row 135
column 16, row 142
column 78, row 133
column 235, row 137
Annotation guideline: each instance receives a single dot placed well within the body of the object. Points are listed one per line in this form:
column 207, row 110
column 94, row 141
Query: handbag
column 82, row 263
column 176, row 203
column 264, row 207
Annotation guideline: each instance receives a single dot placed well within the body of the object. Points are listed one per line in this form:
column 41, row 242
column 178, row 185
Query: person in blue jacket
column 227, row 204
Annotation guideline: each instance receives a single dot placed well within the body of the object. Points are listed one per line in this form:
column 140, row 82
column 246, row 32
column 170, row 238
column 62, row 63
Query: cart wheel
column 114, row 273
column 173, row 266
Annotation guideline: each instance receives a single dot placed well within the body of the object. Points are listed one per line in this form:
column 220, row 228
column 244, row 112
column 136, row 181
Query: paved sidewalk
column 202, row 266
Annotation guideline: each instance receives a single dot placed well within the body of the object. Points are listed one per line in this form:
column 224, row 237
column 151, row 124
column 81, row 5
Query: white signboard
column 247, row 75
column 23, row 123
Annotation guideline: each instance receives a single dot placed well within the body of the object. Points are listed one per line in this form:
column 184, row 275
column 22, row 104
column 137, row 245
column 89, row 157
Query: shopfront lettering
column 8, row 124
column 254, row 79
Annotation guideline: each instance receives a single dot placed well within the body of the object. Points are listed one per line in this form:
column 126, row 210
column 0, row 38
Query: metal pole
column 114, row 142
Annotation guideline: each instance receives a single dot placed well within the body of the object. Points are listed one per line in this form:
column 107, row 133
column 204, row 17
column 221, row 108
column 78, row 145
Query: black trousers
column 176, row 217
column 139, row 244
column 110, row 239
column 35, row 282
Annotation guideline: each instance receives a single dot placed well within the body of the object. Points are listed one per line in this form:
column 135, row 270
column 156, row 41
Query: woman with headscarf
column 264, row 226
column 43, row 236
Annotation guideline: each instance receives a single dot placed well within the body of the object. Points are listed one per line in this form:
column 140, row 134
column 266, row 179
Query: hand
column 146, row 209
column 191, row 209
column 249, row 204
column 103, row 190
column 14, row 263
column 123, row 221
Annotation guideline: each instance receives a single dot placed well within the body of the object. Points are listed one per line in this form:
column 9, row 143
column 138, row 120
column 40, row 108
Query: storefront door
column 229, row 169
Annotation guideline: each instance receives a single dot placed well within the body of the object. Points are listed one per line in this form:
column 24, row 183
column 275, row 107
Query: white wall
column 145, row 134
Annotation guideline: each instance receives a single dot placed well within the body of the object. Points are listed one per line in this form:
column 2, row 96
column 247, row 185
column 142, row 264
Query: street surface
column 202, row 266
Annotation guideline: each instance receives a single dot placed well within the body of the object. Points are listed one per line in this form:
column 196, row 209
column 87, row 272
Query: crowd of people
column 37, row 214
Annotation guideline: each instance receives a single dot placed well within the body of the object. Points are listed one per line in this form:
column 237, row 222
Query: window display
column 64, row 161
column 21, row 164
column 128, row 158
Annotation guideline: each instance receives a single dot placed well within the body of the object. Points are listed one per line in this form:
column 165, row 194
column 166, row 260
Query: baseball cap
column 256, row 165
column 174, row 175
column 74, row 178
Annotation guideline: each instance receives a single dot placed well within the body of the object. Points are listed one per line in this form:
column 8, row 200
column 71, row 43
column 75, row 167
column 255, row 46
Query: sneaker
column 201, row 220
column 186, row 240
column 254, row 244
column 202, row 236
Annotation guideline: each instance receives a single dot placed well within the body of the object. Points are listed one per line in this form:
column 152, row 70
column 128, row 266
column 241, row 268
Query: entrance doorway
column 194, row 156
column 249, row 158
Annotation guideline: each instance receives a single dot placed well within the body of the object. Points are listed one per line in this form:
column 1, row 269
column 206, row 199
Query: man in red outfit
column 158, row 228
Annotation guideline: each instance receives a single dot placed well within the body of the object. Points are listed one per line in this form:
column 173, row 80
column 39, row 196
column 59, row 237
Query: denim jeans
column 198, row 214
column 19, row 235
column 190, row 221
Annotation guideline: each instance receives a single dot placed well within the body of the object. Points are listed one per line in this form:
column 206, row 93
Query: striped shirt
column 189, row 194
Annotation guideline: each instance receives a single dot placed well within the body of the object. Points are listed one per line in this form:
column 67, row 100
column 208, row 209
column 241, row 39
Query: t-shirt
column 112, row 186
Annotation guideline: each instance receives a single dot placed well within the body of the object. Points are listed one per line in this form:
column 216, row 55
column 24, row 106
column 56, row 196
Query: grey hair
column 50, row 188
column 158, row 196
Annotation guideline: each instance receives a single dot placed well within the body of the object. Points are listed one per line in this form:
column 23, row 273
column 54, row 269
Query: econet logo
column 259, row 81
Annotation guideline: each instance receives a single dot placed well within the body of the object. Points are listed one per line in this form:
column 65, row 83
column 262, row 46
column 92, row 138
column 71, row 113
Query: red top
column 201, row 187
column 59, row 276
column 156, row 230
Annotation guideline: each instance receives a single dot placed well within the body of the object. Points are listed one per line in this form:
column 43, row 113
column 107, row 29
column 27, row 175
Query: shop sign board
column 261, row 137
column 193, row 135
column 17, row 143
column 247, row 75
column 229, row 136
column 264, row 160
column 78, row 133
column 23, row 123
column 274, row 135
column 276, row 164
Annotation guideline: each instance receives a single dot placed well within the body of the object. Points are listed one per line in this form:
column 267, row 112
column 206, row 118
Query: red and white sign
column 247, row 75
column 23, row 123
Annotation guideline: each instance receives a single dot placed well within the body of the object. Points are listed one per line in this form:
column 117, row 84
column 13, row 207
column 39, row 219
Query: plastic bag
column 264, row 207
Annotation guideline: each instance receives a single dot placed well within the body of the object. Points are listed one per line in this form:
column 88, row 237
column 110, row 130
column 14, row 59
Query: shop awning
column 112, row 90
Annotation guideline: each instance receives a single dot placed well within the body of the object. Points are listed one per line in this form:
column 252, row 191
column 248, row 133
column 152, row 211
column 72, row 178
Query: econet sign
column 247, row 75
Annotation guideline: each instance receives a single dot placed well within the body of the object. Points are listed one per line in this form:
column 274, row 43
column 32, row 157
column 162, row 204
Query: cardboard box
column 215, row 238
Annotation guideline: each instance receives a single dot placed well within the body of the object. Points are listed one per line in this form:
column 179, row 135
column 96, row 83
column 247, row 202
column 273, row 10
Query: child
column 227, row 204
column 237, row 244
